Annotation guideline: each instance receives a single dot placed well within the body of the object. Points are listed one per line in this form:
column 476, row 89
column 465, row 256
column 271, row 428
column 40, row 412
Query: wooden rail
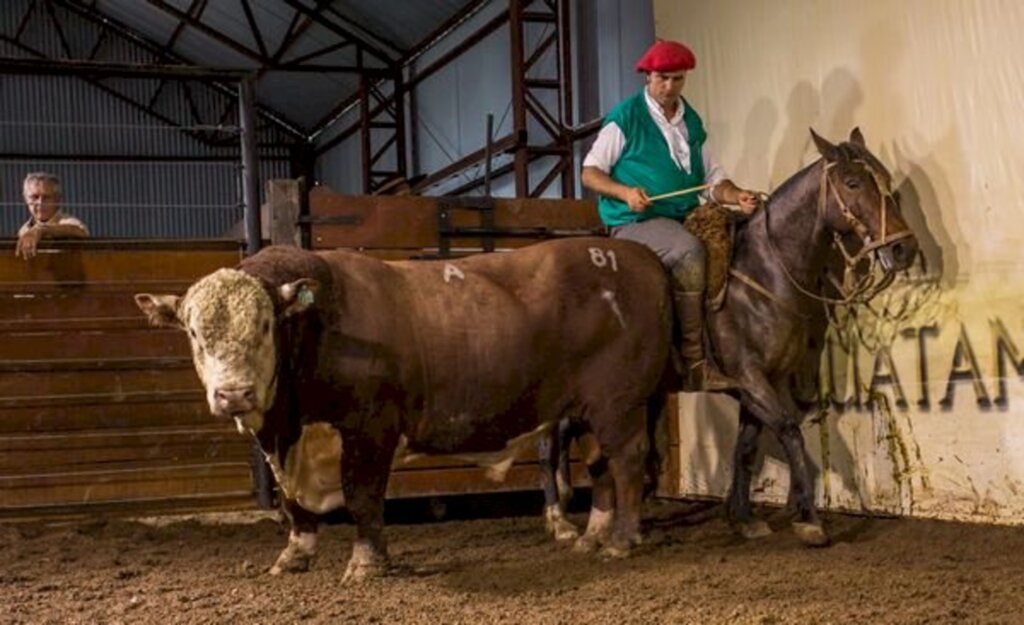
column 412, row 226
column 97, row 410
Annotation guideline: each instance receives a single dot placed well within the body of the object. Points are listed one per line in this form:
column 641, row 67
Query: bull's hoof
column 587, row 543
column 291, row 562
column 811, row 534
column 754, row 529
column 562, row 530
column 617, row 548
column 357, row 572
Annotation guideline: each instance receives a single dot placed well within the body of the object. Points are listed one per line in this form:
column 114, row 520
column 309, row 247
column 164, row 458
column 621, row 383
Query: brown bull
column 315, row 353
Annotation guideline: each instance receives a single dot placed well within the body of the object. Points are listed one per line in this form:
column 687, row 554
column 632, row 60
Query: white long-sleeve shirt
column 610, row 142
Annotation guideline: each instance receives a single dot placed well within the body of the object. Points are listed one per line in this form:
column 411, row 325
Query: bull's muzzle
column 233, row 401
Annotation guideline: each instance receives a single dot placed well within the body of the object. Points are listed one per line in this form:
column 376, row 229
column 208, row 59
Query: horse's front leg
column 761, row 399
column 738, row 508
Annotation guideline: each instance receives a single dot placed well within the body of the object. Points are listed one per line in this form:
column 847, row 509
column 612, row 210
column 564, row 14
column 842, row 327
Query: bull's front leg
column 301, row 548
column 365, row 467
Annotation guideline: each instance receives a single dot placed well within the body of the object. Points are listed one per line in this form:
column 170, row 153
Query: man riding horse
column 653, row 144
column 832, row 235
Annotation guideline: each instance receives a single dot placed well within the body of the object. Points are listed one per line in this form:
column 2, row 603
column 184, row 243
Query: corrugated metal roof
column 404, row 22
column 223, row 37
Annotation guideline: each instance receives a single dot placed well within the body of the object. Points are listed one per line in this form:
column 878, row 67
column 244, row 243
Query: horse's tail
column 658, row 441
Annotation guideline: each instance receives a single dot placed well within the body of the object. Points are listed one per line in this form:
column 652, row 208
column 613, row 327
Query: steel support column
column 250, row 166
column 382, row 131
column 541, row 93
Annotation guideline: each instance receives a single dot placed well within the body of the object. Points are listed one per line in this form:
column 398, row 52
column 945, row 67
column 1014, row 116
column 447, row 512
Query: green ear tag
column 305, row 296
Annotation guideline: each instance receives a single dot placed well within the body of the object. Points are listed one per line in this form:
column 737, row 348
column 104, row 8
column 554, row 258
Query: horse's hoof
column 617, row 549
column 752, row 530
column 811, row 534
column 587, row 543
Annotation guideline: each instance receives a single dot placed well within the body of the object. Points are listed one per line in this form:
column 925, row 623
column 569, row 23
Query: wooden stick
column 680, row 192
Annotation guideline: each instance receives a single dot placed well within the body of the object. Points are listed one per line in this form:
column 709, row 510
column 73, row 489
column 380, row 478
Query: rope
column 757, row 286
column 866, row 290
column 860, row 292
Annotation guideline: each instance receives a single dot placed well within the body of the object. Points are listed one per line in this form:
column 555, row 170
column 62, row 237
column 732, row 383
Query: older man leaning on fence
column 42, row 193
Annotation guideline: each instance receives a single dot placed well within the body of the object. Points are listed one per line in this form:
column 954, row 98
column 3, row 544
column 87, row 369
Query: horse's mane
column 848, row 153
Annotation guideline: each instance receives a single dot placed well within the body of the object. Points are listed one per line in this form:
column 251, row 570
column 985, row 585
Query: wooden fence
column 98, row 411
column 101, row 414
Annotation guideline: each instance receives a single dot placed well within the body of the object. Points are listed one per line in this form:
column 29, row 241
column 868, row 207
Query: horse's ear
column 826, row 149
column 857, row 138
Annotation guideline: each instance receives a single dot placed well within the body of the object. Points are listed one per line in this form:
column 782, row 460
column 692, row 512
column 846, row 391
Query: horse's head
column 857, row 202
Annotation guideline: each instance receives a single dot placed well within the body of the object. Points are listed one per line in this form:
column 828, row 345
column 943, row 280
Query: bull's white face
column 229, row 318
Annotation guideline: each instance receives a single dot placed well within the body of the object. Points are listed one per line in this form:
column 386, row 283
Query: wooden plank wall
column 99, row 412
column 409, row 226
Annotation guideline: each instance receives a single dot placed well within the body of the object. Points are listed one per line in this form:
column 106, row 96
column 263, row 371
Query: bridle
column 853, row 289
column 868, row 246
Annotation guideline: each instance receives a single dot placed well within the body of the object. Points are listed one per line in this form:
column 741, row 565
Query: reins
column 853, row 290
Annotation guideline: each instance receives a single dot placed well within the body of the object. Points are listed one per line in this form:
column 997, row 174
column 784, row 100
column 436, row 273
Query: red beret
column 666, row 56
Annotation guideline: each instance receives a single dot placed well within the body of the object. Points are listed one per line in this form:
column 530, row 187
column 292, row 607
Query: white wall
column 936, row 87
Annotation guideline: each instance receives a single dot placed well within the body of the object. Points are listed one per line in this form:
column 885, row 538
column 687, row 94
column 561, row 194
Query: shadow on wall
column 921, row 184
column 946, row 254
column 802, row 107
column 757, row 131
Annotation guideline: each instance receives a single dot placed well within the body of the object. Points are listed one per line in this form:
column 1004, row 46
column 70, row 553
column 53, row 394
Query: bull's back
column 488, row 347
column 515, row 320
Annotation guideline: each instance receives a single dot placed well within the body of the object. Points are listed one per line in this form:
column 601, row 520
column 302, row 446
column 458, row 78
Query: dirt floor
column 692, row 569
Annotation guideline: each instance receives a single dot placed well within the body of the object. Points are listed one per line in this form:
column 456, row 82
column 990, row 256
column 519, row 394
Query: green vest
column 646, row 162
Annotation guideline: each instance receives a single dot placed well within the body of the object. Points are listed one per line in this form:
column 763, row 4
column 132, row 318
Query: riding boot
column 699, row 373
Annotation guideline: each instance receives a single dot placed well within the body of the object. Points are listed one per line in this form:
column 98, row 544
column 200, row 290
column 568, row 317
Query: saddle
column 713, row 224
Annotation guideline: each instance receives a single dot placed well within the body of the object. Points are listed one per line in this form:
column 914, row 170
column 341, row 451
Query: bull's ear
column 856, row 137
column 161, row 310
column 298, row 296
column 826, row 149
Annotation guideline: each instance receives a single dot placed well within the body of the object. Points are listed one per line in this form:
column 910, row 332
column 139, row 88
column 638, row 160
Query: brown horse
column 836, row 215
column 831, row 234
